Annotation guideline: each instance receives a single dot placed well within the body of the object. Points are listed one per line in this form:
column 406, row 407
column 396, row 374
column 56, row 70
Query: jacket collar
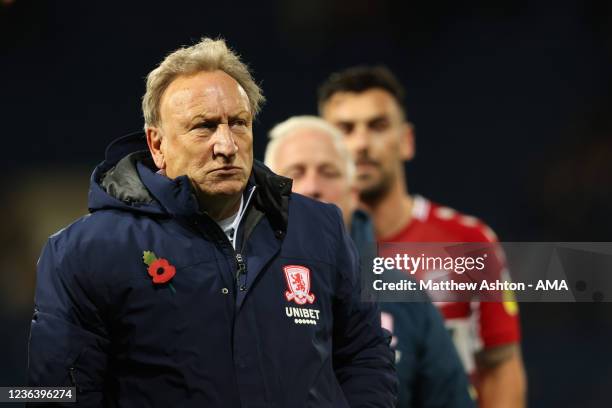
column 127, row 178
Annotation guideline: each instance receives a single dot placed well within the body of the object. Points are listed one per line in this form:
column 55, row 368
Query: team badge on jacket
column 298, row 283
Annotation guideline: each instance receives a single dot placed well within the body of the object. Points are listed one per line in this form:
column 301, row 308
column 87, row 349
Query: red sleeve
column 499, row 323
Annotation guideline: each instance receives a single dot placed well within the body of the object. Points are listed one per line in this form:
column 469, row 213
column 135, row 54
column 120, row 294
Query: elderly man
column 311, row 152
column 198, row 279
column 366, row 105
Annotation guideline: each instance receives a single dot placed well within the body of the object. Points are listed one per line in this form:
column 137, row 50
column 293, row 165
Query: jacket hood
column 127, row 180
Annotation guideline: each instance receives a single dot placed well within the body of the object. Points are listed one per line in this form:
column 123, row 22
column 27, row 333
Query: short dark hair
column 360, row 79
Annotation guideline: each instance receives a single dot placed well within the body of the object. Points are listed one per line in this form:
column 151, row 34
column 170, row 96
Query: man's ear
column 154, row 140
column 407, row 142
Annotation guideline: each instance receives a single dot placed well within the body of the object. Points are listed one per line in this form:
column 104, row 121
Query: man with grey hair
column 311, row 151
column 199, row 279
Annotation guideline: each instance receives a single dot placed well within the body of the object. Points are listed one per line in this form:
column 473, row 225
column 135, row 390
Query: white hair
column 284, row 129
column 207, row 55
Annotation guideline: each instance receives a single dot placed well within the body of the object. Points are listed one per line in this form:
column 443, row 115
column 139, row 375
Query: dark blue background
column 511, row 102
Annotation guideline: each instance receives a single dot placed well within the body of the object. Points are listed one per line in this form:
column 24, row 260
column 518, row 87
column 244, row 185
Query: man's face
column 206, row 133
column 376, row 134
column 309, row 157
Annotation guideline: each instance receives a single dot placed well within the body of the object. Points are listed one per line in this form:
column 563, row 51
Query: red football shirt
column 473, row 325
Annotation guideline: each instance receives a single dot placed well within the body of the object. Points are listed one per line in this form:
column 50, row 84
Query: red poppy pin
column 159, row 269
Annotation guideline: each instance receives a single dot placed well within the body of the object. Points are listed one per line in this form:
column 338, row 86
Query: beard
column 373, row 187
column 373, row 192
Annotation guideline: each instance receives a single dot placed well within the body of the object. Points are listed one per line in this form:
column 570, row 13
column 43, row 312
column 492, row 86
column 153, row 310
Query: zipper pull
column 73, row 380
column 241, row 270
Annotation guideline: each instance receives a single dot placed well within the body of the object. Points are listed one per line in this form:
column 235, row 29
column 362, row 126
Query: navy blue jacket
column 428, row 367
column 228, row 329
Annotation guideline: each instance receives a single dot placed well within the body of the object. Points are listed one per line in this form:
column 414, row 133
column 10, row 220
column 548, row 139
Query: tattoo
column 494, row 356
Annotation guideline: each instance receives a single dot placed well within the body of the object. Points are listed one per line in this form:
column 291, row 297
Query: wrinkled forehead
column 214, row 93
column 308, row 147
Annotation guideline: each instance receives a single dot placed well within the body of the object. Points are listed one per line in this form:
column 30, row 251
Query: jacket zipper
column 240, row 271
column 73, row 379
column 222, row 239
column 241, row 268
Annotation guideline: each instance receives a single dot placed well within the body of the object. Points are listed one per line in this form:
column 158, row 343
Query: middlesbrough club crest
column 298, row 282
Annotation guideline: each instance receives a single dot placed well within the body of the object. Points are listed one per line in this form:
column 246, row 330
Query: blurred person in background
column 311, row 152
column 366, row 105
column 199, row 279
